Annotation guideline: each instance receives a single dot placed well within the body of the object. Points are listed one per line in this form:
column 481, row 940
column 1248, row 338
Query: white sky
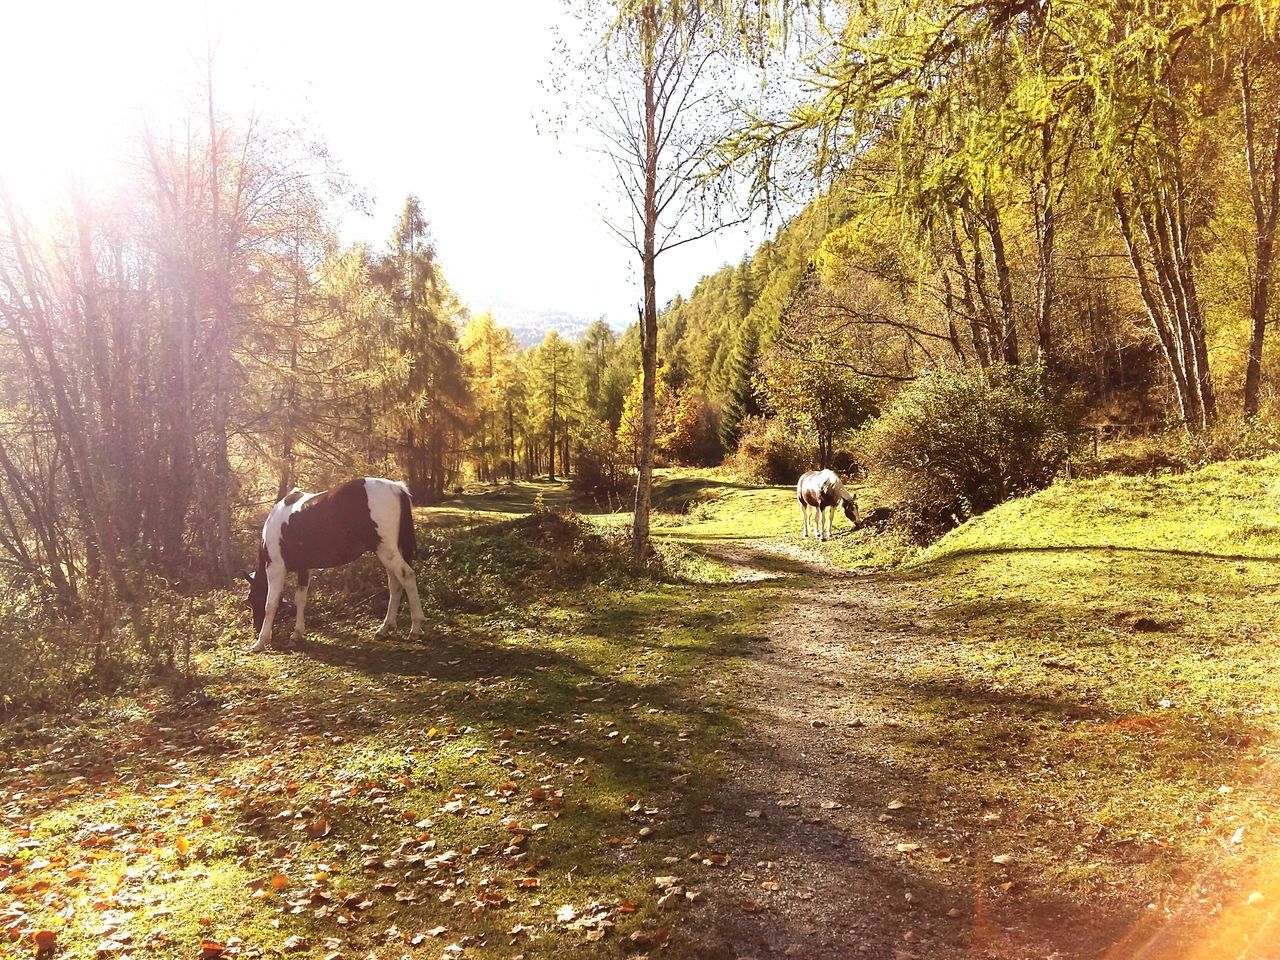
column 437, row 97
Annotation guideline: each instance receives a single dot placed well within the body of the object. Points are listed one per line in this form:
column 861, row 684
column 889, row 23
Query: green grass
column 1107, row 648
column 552, row 744
column 1096, row 664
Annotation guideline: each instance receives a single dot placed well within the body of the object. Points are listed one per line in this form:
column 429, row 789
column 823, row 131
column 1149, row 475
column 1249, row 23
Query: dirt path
column 842, row 839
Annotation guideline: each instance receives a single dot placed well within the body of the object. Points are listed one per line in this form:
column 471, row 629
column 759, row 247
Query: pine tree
column 740, row 397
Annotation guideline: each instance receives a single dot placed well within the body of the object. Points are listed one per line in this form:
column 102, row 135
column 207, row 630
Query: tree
column 434, row 400
column 810, row 386
column 490, row 354
column 740, row 393
column 1259, row 96
column 978, row 97
column 555, row 387
column 660, row 117
column 596, row 349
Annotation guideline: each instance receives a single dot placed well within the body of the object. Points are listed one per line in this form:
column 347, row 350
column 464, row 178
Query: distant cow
column 310, row 531
column 822, row 491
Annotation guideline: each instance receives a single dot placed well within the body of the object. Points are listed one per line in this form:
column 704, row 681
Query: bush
column 103, row 646
column 955, row 444
column 603, row 469
column 770, row 451
column 1231, row 438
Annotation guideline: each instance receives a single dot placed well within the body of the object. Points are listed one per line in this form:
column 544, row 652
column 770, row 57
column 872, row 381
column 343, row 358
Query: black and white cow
column 822, row 491
column 310, row 531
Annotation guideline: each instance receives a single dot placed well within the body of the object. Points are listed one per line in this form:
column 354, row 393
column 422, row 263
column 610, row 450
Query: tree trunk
column 555, row 403
column 1162, row 268
column 220, row 346
column 1004, row 282
column 1265, row 198
column 649, row 313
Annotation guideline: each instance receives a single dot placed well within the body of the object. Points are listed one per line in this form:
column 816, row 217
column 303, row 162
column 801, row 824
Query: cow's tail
column 406, row 541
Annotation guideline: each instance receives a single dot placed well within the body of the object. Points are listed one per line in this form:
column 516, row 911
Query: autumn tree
column 490, row 354
column 654, row 91
column 555, row 386
column 434, row 399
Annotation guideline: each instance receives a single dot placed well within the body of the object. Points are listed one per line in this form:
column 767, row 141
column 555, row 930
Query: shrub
column 103, row 646
column 770, row 451
column 687, row 430
column 1231, row 438
column 955, row 444
column 603, row 469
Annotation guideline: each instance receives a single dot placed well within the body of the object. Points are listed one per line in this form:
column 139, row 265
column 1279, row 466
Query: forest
column 1018, row 290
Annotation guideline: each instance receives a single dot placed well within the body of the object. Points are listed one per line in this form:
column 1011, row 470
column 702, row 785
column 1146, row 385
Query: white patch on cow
column 384, row 506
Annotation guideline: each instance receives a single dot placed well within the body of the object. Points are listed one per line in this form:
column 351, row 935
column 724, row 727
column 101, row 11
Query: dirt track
column 844, row 839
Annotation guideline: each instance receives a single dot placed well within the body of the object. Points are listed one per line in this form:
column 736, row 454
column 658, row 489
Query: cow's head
column 257, row 599
column 851, row 510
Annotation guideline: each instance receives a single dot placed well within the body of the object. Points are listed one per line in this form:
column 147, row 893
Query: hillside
column 712, row 337
column 1067, row 705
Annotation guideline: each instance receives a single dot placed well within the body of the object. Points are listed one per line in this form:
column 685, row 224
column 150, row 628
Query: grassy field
column 505, row 788
column 1112, row 644
column 1097, row 662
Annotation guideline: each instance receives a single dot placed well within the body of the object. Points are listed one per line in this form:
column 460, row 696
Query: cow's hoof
column 258, row 648
column 415, row 636
column 297, row 639
column 383, row 633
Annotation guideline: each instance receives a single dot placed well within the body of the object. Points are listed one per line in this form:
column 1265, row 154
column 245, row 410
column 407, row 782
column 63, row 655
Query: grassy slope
column 1099, row 666
column 1113, row 642
column 372, row 797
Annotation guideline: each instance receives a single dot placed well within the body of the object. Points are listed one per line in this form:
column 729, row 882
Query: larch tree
column 434, row 401
column 490, row 354
column 556, row 388
column 658, row 114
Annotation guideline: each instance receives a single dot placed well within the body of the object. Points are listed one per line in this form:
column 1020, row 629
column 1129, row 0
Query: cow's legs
column 400, row 569
column 825, row 519
column 393, row 606
column 300, row 600
column 804, row 512
column 275, row 587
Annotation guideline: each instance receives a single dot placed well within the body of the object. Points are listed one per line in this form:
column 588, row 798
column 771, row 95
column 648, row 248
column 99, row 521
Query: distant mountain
column 532, row 326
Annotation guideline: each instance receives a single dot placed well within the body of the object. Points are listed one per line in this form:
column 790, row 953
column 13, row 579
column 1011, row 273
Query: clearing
column 1052, row 733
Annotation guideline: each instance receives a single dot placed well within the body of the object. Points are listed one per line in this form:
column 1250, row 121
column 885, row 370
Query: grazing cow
column 822, row 491
column 310, row 531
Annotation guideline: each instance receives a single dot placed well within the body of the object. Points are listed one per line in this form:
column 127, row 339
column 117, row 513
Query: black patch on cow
column 825, row 498
column 407, row 543
column 330, row 529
